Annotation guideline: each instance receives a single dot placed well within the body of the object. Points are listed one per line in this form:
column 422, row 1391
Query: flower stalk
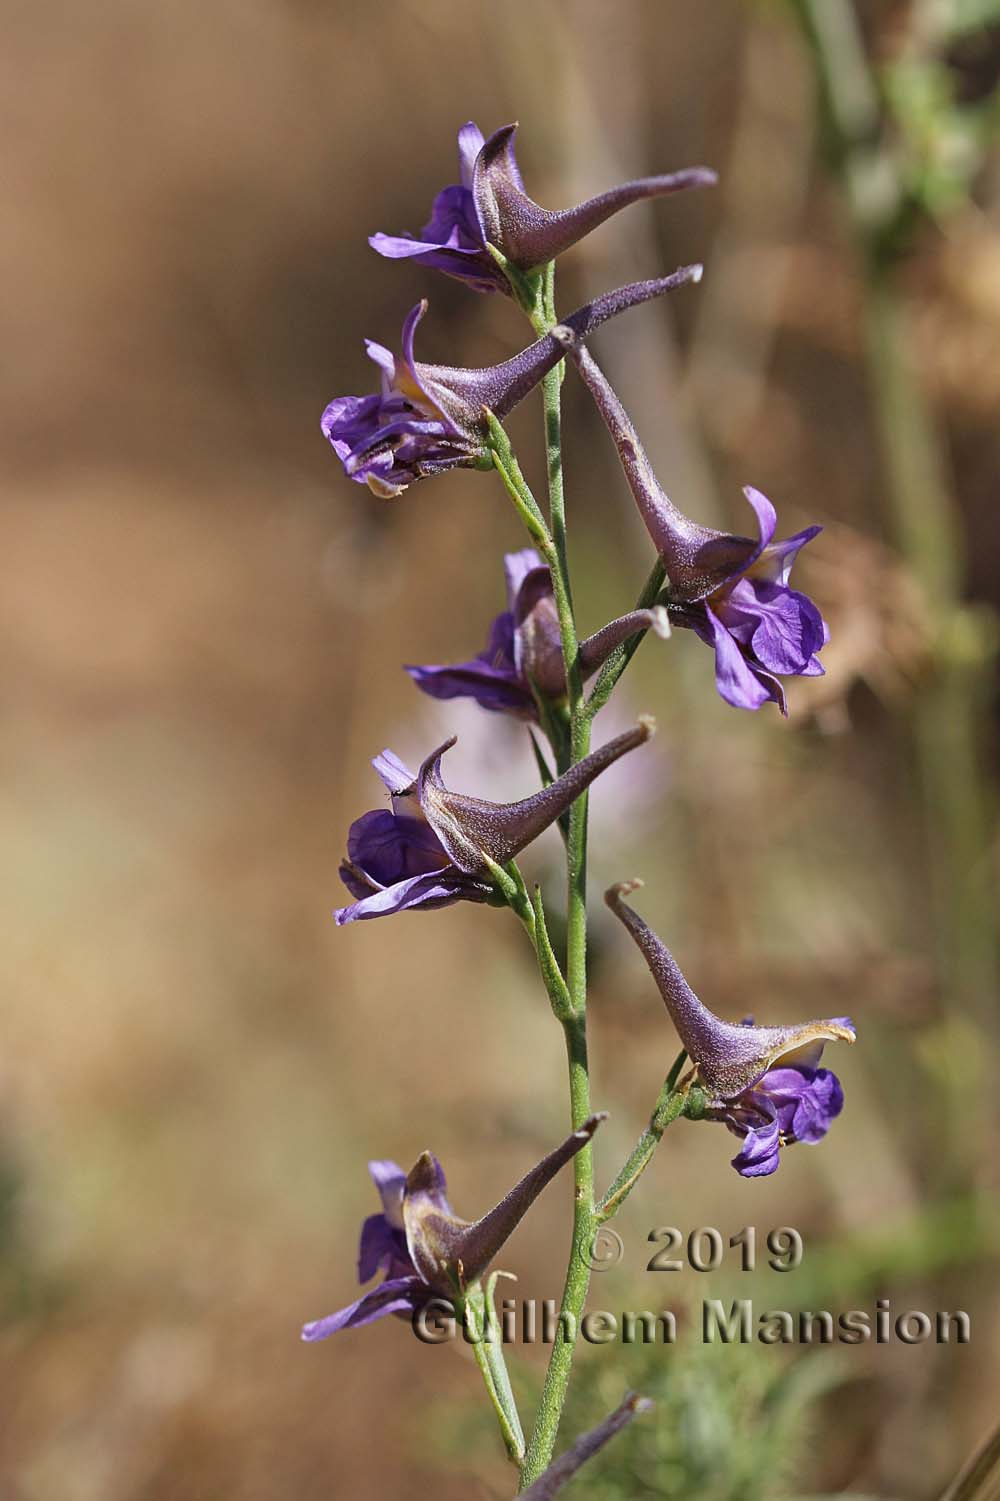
column 435, row 846
column 574, row 1018
column 669, row 1105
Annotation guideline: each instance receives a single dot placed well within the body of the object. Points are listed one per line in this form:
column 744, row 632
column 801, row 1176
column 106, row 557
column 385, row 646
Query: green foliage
column 942, row 141
column 727, row 1425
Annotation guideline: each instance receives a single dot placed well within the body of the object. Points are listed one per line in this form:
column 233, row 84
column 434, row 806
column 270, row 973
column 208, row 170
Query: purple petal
column 538, row 648
column 383, row 358
column 398, row 1295
column 410, row 322
column 735, row 682
column 470, row 143
column 499, row 652
column 818, row 1107
column 349, row 419
column 805, row 1099
column 760, row 1154
column 453, row 223
column 401, row 247
column 497, row 689
column 476, row 268
column 378, row 1246
column 491, row 678
column 390, row 1180
column 394, row 774
column 389, row 847
column 767, row 516
column 437, row 889
column 782, row 627
column 516, row 567
column 775, row 562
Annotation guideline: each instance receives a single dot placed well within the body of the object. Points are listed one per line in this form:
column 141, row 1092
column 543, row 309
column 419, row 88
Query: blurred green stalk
column 948, row 711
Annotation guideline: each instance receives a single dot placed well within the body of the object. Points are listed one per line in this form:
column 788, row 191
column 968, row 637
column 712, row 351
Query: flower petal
column 470, row 143
column 389, row 847
column 398, row 1295
column 497, row 689
column 760, row 1155
column 767, row 516
column 377, row 1248
column 782, row 628
column 437, row 889
column 491, row 678
column 733, row 679
column 516, row 567
column 393, row 773
column 775, row 562
column 390, row 1180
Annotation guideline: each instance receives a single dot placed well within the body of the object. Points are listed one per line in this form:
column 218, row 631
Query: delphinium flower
column 435, row 847
column 523, row 659
column 764, row 1083
column 490, row 206
column 422, row 1248
column 732, row 591
column 430, row 418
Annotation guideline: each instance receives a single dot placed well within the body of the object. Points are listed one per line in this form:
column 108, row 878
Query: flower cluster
column 431, row 847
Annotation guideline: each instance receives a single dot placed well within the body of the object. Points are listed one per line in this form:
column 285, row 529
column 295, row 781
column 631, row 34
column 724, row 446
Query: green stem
column 669, row 1105
column 477, row 1314
column 574, row 1023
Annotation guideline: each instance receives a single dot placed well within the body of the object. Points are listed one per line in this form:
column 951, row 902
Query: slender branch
column 478, row 1316
column 669, row 1105
column 574, row 1021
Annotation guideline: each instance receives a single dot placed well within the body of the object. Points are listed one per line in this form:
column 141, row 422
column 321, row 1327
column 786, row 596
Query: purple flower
column 764, row 1083
column 490, row 207
column 523, row 659
column 732, row 591
column 793, row 1102
column 452, row 241
column 429, row 418
column 435, row 847
column 420, row 1246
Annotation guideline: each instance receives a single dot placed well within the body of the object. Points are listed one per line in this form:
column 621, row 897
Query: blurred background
column 201, row 626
